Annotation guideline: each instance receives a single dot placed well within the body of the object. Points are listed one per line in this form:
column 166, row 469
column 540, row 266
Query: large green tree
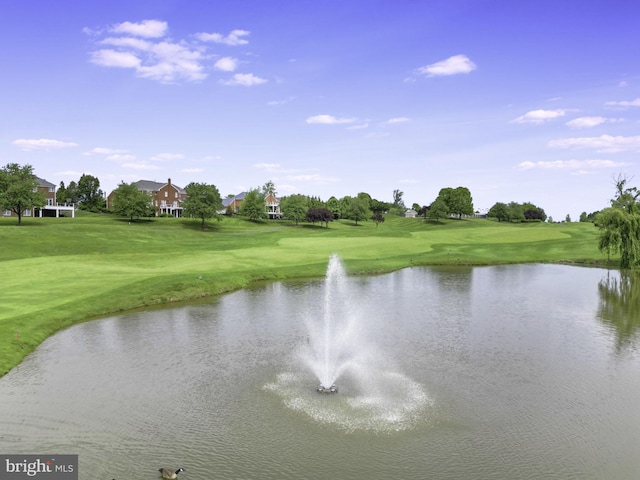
column 357, row 209
column 203, row 201
column 294, row 207
column 458, row 200
column 130, row 202
column 333, row 204
column 68, row 194
column 515, row 211
column 19, row 190
column 499, row 211
column 437, row 210
column 376, row 206
column 253, row 205
column 620, row 225
column 89, row 194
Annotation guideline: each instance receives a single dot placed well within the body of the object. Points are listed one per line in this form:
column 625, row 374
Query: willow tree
column 620, row 225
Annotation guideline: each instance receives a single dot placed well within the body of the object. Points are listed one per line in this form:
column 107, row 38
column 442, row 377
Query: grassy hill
column 57, row 272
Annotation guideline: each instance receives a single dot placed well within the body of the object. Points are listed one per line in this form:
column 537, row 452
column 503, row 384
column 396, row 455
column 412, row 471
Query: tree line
column 18, row 192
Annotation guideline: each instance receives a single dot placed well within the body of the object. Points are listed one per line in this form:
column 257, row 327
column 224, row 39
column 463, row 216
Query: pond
column 501, row 372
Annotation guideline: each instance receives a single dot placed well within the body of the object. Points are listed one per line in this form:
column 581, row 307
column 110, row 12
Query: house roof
column 152, row 186
column 227, row 201
column 148, row 185
column 43, row 183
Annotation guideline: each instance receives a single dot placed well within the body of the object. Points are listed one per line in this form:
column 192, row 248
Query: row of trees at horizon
column 206, row 202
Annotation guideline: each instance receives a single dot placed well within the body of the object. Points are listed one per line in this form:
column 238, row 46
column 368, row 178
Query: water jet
column 343, row 345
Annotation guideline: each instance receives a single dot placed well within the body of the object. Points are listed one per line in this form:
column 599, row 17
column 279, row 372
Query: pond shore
column 61, row 271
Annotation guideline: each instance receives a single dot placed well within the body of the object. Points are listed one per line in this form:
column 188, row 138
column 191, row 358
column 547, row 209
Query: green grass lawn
column 57, row 272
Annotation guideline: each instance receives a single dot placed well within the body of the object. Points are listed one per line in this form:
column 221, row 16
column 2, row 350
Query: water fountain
column 332, row 340
column 342, row 348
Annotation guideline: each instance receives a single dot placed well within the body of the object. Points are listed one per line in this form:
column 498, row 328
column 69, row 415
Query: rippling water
column 527, row 371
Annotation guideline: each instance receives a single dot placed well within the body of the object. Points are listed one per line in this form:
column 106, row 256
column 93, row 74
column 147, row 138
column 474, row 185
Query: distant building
column 271, row 204
column 50, row 209
column 166, row 198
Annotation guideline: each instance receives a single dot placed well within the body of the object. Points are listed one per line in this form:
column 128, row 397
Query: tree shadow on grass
column 135, row 221
column 310, row 226
column 211, row 226
column 13, row 222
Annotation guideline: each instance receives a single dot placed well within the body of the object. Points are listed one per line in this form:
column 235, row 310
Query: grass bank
column 57, row 272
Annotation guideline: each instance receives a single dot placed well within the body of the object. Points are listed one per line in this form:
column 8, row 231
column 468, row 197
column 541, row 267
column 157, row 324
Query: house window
column 50, row 201
column 26, row 213
column 176, row 195
column 6, row 213
column 166, row 194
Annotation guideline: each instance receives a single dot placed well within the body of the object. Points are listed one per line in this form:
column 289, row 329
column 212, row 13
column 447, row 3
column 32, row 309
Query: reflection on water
column 619, row 306
column 499, row 372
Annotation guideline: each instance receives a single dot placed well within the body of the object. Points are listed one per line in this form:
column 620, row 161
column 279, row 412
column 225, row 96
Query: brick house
column 271, row 204
column 50, row 209
column 166, row 198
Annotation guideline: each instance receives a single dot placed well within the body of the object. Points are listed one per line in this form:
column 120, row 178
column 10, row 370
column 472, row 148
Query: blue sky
column 516, row 100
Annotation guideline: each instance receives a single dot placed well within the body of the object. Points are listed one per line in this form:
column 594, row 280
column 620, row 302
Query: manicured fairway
column 56, row 272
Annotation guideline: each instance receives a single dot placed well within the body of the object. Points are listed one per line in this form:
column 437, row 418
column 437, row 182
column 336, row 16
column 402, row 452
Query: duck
column 169, row 474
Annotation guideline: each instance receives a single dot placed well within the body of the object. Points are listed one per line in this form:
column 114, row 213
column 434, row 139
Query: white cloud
column 570, row 164
column 603, row 143
column 226, row 64
column 104, row 151
column 586, row 122
column 393, row 121
column 113, row 58
column 163, row 157
column 358, row 127
column 192, row 170
column 146, row 28
column 329, row 120
column 408, row 181
column 140, row 47
column 164, row 61
column 245, row 80
column 42, row 144
column 234, row 38
column 451, row 66
column 624, row 103
column 539, row 116
column 128, row 42
column 168, row 62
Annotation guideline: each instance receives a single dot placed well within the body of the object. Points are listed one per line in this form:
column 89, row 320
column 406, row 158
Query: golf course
column 60, row 271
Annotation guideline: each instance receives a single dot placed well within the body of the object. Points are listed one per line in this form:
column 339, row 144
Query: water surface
column 525, row 371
